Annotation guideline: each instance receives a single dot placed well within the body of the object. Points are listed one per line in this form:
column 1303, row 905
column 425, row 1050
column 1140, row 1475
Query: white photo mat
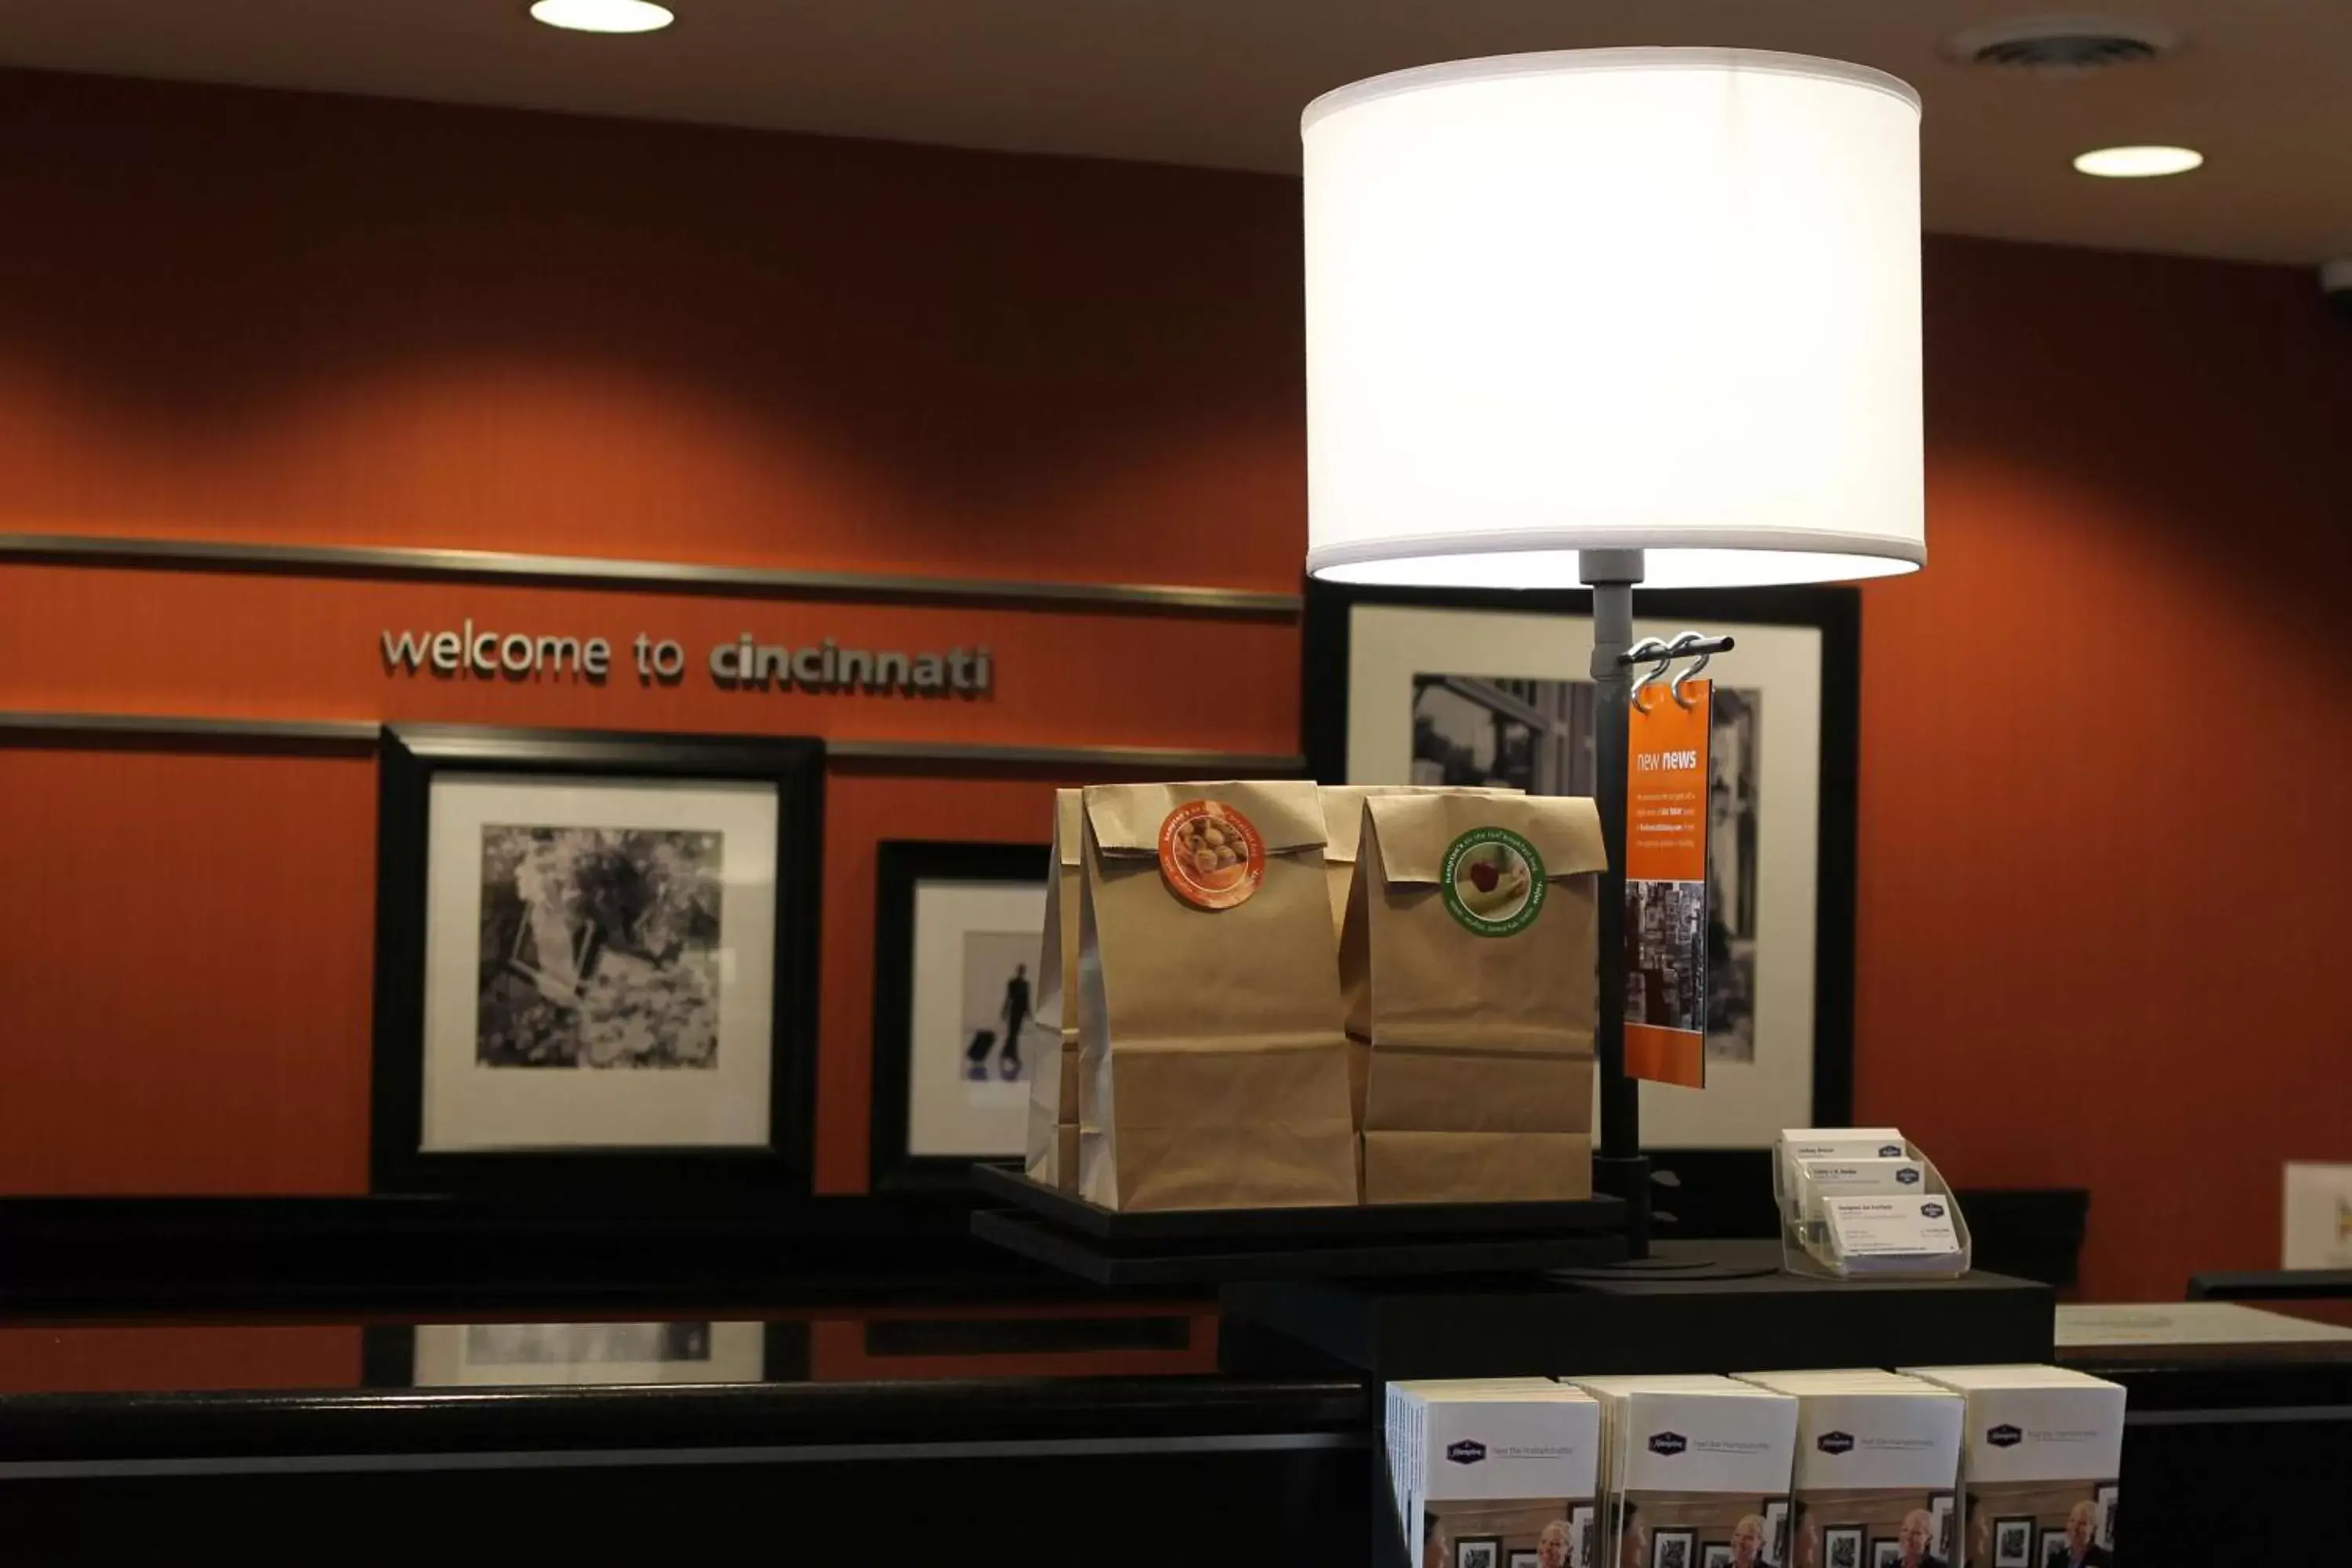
column 469, row 1107
column 1745, row 1104
column 948, row 1115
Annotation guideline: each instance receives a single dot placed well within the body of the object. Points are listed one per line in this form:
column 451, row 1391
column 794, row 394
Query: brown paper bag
column 1213, row 1070
column 1469, row 960
column 1343, row 823
column 1053, row 1137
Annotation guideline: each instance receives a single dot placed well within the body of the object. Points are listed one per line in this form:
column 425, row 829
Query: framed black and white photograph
column 1842, row 1546
column 2107, row 1497
column 1885, row 1553
column 1479, row 1552
column 1426, row 687
column 1776, row 1532
column 595, row 959
column 1522, row 1557
column 958, row 931
column 2050, row 1546
column 1944, row 1530
column 1673, row 1549
column 1715, row 1554
column 2012, row 1543
column 1584, row 1537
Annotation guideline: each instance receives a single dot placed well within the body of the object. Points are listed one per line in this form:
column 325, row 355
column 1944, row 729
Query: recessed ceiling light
column 2138, row 163
column 603, row 16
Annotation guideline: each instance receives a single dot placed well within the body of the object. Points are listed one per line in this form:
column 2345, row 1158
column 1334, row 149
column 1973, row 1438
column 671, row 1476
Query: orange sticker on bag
column 1210, row 854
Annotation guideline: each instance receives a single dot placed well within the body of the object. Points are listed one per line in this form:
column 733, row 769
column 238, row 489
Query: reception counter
column 988, row 1416
column 968, row 1433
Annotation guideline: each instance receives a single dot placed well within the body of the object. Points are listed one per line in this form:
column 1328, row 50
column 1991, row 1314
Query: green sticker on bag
column 1494, row 882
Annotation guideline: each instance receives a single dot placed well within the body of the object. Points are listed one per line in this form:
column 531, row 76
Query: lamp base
column 1689, row 1261
column 1736, row 1312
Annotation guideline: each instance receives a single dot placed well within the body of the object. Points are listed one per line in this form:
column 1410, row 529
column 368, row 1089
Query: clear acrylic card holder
column 1808, row 1245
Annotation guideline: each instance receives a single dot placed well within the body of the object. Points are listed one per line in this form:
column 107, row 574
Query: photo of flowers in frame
column 595, row 959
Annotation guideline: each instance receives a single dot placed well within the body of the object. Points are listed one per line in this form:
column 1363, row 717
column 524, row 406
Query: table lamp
column 1609, row 317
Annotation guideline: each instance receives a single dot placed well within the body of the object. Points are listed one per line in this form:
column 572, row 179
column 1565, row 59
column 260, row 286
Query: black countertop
column 136, row 1382
column 62, row 1432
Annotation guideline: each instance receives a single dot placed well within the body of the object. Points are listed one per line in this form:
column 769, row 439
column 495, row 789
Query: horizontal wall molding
column 596, row 572
column 360, row 734
column 1196, row 762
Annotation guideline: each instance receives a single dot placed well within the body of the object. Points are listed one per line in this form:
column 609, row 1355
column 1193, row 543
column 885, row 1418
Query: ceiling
column 2263, row 86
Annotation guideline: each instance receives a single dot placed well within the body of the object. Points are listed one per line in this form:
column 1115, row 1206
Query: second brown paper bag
column 1343, row 826
column 1470, row 967
column 1213, row 1070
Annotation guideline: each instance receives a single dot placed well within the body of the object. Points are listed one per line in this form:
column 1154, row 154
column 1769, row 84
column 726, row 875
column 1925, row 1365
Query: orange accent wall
column 162, row 1359
column 186, row 965
column 2104, row 834
column 282, row 317
column 2099, row 849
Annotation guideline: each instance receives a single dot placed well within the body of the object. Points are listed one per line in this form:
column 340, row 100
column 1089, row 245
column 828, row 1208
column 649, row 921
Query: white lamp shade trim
column 1664, row 300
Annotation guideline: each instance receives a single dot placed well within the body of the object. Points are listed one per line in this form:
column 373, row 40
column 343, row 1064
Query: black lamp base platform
column 1735, row 1312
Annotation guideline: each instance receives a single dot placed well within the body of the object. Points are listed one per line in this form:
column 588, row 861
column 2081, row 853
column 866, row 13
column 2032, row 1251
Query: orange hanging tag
column 1665, row 887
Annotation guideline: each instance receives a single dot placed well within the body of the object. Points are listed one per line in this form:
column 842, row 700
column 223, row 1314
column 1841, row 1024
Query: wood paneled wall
column 2100, row 844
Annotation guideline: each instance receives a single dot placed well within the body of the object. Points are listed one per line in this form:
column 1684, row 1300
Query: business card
column 1891, row 1227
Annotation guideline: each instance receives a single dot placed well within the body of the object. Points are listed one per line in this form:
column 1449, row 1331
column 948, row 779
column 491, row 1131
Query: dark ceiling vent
column 2072, row 51
column 2062, row 46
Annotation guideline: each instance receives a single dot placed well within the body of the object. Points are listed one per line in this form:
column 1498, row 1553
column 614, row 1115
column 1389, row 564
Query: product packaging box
column 1212, row 1070
column 1496, row 1471
column 2039, row 1459
column 1469, row 965
column 1694, row 1469
column 1876, row 1477
column 1053, row 1140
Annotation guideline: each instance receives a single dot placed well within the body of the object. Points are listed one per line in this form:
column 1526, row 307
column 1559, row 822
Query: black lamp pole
column 1619, row 1167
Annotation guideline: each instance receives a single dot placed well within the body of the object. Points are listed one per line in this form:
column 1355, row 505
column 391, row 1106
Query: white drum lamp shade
column 1658, row 300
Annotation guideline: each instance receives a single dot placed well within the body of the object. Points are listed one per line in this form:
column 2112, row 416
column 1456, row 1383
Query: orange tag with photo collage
column 1667, row 770
column 1211, row 856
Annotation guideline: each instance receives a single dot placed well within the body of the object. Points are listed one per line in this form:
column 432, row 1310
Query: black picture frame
column 1479, row 1552
column 409, row 757
column 900, row 866
column 2001, row 1529
column 1842, row 1546
column 1720, row 1192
